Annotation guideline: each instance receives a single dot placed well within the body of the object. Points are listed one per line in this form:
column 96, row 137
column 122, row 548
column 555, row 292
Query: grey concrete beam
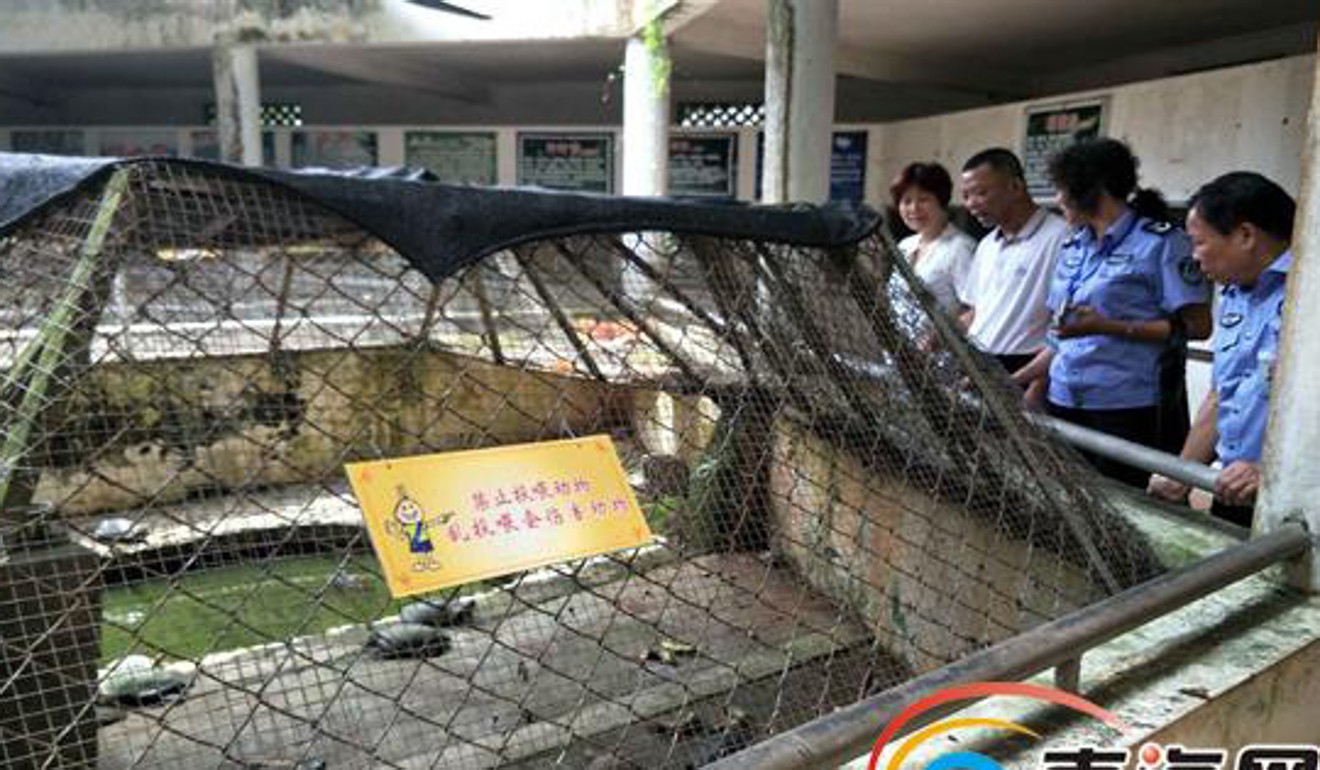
column 358, row 64
column 747, row 41
column 26, row 91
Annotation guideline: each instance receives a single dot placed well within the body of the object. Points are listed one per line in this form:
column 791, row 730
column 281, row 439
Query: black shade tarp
column 438, row 227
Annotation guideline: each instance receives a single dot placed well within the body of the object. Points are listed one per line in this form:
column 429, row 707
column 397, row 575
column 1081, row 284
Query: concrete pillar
column 237, row 102
column 645, row 143
column 799, row 99
column 646, row 116
column 1291, row 474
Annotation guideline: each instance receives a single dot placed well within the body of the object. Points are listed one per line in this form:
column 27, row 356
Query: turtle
column 119, row 530
column 457, row 611
column 136, row 681
column 408, row 640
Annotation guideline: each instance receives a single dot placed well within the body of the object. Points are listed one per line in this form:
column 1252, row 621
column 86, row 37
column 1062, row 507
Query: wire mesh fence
column 845, row 495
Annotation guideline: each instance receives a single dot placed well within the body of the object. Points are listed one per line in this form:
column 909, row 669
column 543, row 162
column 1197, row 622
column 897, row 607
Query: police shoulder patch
column 1190, row 272
column 1159, row 228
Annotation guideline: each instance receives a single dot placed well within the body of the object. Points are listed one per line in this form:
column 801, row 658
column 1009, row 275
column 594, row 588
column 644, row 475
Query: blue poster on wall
column 848, row 166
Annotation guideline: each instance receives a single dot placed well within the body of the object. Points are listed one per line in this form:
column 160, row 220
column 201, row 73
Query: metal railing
column 839, row 737
column 1130, row 453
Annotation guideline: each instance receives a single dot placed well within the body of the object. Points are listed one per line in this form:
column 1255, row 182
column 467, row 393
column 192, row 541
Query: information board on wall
column 334, row 148
column 128, row 143
column 579, row 162
column 703, row 166
column 848, row 166
column 206, row 145
column 447, row 519
column 47, row 142
column 453, row 156
column 1050, row 129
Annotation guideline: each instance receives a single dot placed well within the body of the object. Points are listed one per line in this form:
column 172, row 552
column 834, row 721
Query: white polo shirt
column 1009, row 283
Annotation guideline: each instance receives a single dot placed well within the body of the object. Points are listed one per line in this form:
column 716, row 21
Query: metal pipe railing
column 1130, row 453
column 832, row 740
column 1121, row 450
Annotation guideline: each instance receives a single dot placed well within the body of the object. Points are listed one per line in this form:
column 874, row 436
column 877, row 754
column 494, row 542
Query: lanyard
column 1098, row 258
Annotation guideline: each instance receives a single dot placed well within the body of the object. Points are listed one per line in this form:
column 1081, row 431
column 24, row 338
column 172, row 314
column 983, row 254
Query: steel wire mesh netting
column 845, row 495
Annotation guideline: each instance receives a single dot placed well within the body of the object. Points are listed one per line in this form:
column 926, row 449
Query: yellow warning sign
column 447, row 519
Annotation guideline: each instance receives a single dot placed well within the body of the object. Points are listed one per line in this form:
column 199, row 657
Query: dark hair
column 998, row 158
column 930, row 177
column 1089, row 168
column 1245, row 196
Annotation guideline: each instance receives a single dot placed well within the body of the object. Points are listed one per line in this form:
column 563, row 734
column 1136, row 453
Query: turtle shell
column 408, row 640
column 454, row 612
column 142, row 686
column 119, row 530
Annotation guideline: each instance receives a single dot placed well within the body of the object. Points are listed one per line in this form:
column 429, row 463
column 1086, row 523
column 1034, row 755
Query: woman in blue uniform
column 1125, row 296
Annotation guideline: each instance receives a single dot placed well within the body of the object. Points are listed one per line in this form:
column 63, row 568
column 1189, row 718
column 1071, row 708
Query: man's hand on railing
column 1166, row 488
column 1238, row 483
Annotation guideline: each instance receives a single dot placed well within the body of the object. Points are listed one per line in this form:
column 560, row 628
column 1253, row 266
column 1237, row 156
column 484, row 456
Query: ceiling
column 910, row 56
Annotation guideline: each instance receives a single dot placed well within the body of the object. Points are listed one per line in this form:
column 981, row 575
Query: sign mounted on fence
column 578, row 162
column 1050, row 129
column 447, row 519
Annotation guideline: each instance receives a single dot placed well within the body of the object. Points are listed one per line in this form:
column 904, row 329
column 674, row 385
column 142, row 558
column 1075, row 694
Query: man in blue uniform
column 1241, row 229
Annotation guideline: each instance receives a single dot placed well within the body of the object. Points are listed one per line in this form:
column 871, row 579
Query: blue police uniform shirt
column 1246, row 345
column 1140, row 270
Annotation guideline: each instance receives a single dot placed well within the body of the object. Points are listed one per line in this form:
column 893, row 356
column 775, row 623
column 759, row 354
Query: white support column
column 1291, row 483
column 237, row 102
column 799, row 99
column 646, row 117
column 645, row 141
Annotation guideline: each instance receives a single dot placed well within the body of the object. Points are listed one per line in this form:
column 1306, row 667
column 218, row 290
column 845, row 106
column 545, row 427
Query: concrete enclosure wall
column 876, row 547
column 165, row 429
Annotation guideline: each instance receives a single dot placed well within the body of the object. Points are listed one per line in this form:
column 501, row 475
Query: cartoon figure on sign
column 409, row 515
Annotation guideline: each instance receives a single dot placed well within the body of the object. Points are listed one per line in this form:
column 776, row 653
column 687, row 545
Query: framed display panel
column 703, row 166
column 581, row 162
column 334, row 148
column 847, row 165
column 461, row 157
column 1051, row 127
column 47, row 141
column 206, row 145
column 128, row 143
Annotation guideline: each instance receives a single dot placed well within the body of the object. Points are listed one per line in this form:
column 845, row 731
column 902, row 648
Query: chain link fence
column 845, row 495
